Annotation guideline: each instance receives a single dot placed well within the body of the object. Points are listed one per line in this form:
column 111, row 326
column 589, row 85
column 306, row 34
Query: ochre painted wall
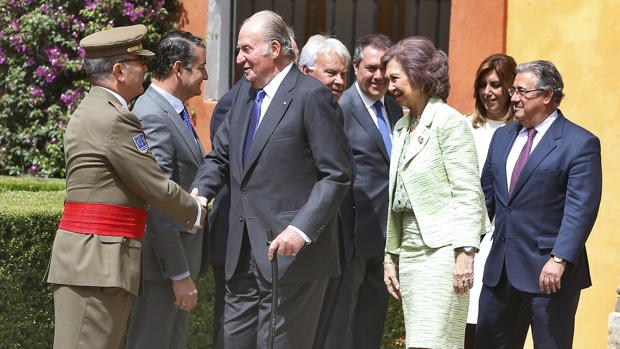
column 581, row 38
column 477, row 30
column 193, row 18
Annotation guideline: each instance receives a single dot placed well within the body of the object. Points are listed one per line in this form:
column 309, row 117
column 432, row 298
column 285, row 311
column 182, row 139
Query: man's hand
column 463, row 276
column 390, row 275
column 551, row 276
column 287, row 243
column 185, row 293
column 203, row 202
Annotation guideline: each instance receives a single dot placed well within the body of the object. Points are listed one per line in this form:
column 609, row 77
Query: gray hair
column 322, row 44
column 274, row 29
column 549, row 77
column 291, row 34
column 378, row 41
column 175, row 45
column 98, row 69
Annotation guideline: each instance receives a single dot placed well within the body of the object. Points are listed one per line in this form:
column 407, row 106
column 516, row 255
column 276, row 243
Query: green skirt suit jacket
column 438, row 169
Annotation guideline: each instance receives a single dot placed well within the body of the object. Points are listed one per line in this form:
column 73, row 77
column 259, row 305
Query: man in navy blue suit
column 542, row 183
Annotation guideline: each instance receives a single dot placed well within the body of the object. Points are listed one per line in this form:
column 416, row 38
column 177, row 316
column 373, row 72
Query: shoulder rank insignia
column 140, row 142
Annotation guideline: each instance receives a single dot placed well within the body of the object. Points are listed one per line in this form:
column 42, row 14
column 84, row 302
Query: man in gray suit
column 171, row 261
column 284, row 151
column 358, row 313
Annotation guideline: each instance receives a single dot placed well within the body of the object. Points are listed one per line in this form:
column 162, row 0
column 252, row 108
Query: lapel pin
column 420, row 139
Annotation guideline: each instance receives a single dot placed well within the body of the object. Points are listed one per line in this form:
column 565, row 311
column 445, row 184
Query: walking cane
column 274, row 293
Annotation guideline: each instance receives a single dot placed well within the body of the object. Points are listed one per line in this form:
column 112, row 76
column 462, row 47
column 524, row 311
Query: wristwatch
column 558, row 259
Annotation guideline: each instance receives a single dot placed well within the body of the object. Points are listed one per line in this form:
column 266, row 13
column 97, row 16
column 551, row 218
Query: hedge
column 28, row 183
column 28, row 222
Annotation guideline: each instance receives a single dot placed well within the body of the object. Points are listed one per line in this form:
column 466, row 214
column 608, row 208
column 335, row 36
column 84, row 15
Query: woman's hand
column 463, row 277
column 390, row 274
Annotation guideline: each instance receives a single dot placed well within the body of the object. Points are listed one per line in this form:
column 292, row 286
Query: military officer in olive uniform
column 111, row 178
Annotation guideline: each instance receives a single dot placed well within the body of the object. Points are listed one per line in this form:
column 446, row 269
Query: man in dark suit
column 284, row 152
column 218, row 221
column 542, row 183
column 172, row 257
column 219, row 214
column 369, row 115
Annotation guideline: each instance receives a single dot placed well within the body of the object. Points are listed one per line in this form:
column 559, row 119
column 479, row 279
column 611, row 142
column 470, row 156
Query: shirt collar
column 174, row 102
column 272, row 86
column 545, row 124
column 120, row 99
column 369, row 103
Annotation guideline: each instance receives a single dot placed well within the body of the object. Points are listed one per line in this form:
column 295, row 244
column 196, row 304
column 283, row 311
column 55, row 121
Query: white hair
column 321, row 44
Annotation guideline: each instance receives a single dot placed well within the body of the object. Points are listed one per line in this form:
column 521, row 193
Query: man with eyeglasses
column 111, row 177
column 542, row 183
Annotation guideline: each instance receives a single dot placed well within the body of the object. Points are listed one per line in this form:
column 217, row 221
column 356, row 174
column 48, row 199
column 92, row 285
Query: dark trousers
column 156, row 322
column 355, row 307
column 218, row 306
column 505, row 314
column 248, row 308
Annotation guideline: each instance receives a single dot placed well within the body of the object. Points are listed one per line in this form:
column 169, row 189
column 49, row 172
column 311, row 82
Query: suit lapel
column 277, row 108
column 362, row 115
column 192, row 143
column 544, row 147
column 246, row 98
column 423, row 132
column 503, row 176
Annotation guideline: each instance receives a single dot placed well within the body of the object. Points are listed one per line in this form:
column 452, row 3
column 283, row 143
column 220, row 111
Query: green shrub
column 28, row 222
column 28, row 183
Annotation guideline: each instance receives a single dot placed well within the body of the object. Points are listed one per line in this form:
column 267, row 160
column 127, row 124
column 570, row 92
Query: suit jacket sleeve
column 461, row 165
column 323, row 123
column 213, row 173
column 139, row 172
column 163, row 230
column 583, row 196
column 486, row 180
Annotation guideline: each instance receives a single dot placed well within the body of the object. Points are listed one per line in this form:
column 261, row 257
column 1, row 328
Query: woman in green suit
column 436, row 210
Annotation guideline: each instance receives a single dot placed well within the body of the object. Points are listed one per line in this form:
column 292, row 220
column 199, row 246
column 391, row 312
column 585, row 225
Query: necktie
column 525, row 153
column 185, row 116
column 253, row 124
column 383, row 127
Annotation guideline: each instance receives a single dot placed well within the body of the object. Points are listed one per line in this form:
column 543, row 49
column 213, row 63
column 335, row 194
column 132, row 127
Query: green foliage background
column 40, row 71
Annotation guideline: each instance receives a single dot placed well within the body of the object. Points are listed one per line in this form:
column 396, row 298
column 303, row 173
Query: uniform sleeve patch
column 140, row 142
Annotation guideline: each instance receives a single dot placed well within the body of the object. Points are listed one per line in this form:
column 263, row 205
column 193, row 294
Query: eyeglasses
column 522, row 92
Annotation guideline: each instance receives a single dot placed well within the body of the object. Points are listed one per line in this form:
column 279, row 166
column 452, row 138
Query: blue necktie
column 185, row 116
column 253, row 124
column 383, row 128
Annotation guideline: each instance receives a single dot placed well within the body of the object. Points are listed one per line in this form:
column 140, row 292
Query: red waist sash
column 103, row 219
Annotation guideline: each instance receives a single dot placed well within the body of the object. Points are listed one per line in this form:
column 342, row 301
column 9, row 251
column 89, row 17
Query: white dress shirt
column 520, row 141
column 270, row 91
column 370, row 106
column 176, row 103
